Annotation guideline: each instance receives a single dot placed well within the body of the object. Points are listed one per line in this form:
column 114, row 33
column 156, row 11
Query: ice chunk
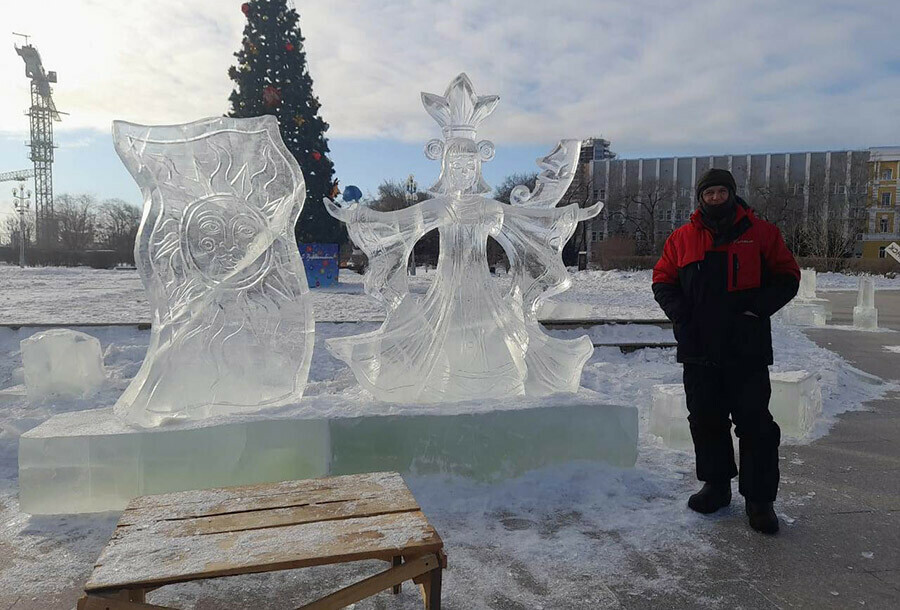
column 62, row 362
column 465, row 340
column 864, row 314
column 796, row 401
column 807, row 290
column 668, row 415
column 91, row 461
column 232, row 318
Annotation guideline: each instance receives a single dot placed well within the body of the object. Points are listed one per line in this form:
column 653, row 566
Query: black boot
column 762, row 517
column 711, row 498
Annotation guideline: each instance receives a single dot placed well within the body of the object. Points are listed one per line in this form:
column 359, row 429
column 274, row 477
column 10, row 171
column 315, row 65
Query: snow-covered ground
column 66, row 295
column 554, row 538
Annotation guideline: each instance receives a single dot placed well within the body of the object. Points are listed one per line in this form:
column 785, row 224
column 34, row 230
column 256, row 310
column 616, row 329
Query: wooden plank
column 375, row 584
column 376, row 500
column 281, row 517
column 231, row 499
column 93, row 602
column 143, row 558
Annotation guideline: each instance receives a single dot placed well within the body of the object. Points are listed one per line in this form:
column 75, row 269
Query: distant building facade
column 884, row 211
column 834, row 203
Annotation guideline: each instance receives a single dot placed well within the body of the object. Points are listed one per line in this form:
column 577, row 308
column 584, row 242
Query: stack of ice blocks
column 89, row 461
column 795, row 404
column 864, row 314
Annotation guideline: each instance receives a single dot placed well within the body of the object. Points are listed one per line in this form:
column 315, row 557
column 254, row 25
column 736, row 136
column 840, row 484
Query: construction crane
column 19, row 176
column 42, row 114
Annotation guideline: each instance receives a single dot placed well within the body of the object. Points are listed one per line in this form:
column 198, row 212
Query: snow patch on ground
column 830, row 281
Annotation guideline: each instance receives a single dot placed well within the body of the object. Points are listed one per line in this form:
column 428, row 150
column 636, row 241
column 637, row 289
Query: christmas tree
column 271, row 78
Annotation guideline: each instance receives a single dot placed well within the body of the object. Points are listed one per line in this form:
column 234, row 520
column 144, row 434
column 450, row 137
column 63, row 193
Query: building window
column 603, row 194
column 887, row 174
column 885, row 199
column 841, row 189
column 593, row 236
column 668, row 214
column 884, row 224
column 881, row 252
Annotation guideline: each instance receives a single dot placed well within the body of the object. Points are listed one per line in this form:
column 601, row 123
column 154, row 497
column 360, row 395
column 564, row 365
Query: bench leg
column 431, row 589
column 396, row 561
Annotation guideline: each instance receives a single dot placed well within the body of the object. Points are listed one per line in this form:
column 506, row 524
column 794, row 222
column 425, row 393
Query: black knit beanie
column 716, row 177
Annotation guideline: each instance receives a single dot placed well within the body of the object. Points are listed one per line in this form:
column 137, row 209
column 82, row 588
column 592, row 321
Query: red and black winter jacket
column 705, row 284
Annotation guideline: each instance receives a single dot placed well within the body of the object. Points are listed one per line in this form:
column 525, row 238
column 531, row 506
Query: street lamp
column 411, row 190
column 21, row 202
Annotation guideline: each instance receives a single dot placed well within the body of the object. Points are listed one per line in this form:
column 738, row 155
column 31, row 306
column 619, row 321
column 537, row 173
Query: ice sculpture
column 464, row 339
column 232, row 320
column 62, row 362
column 864, row 314
column 806, row 309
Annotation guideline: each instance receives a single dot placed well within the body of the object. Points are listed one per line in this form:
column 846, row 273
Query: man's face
column 715, row 195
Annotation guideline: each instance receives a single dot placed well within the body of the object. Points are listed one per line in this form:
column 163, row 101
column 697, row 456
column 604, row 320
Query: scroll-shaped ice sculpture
column 232, row 320
column 464, row 339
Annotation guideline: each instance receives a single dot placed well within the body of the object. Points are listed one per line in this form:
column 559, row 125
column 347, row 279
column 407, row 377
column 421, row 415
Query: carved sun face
column 218, row 239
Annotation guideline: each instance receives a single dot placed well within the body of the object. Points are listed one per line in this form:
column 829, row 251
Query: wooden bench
column 202, row 534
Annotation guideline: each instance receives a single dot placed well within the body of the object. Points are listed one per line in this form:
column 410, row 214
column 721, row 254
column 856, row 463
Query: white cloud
column 652, row 75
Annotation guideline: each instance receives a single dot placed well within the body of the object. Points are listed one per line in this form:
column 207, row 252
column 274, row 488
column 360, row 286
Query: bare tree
column 640, row 211
column 76, row 218
column 118, row 223
column 836, row 217
column 391, row 196
column 502, row 192
column 13, row 233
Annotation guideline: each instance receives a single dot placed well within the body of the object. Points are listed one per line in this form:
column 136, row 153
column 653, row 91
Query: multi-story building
column 824, row 202
column 884, row 209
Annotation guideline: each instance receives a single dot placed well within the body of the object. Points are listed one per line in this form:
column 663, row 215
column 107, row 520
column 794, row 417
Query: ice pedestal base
column 89, row 461
column 795, row 404
column 808, row 313
column 865, row 317
column 796, row 401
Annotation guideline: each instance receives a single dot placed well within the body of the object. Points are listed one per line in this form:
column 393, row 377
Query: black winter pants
column 715, row 393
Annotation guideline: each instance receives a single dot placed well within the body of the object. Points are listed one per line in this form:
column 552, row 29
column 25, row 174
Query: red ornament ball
column 316, row 155
column 245, row 8
column 288, row 47
column 271, row 96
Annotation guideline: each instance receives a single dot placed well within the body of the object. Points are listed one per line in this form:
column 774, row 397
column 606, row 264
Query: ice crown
column 459, row 111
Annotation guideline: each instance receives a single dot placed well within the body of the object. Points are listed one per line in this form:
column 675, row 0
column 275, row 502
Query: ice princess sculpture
column 232, row 320
column 464, row 339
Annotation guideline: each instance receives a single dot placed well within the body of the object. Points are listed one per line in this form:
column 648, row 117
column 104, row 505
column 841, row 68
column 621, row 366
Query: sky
column 657, row 78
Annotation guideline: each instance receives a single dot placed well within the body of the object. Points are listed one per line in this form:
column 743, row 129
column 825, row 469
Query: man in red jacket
column 719, row 280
